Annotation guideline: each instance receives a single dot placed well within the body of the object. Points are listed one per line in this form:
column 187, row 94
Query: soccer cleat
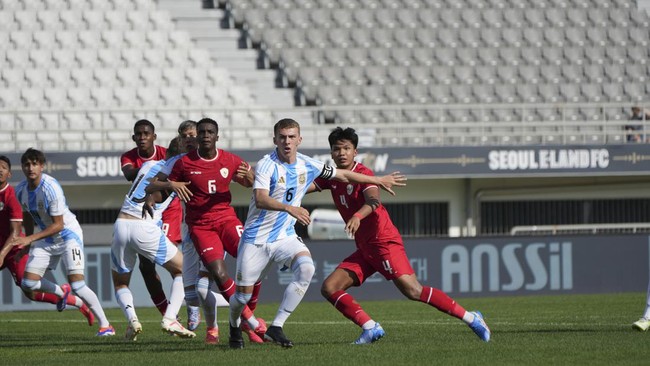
column 276, row 335
column 88, row 314
column 236, row 341
column 172, row 326
column 63, row 301
column 257, row 335
column 106, row 331
column 212, row 336
column 479, row 327
column 371, row 335
column 193, row 317
column 642, row 324
column 133, row 330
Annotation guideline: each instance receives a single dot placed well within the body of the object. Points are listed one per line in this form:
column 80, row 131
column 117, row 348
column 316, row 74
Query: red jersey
column 348, row 198
column 10, row 210
column 132, row 157
column 209, row 184
column 173, row 216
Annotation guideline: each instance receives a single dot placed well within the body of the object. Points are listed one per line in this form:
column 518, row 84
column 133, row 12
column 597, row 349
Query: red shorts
column 388, row 258
column 172, row 219
column 17, row 269
column 212, row 241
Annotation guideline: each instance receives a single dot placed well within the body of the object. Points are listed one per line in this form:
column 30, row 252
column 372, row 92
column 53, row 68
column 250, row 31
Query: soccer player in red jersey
column 11, row 219
column 144, row 135
column 202, row 179
column 379, row 248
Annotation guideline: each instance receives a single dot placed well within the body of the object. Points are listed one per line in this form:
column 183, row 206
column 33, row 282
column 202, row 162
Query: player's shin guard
column 175, row 298
column 237, row 304
column 349, row 307
column 90, row 298
column 441, row 301
column 208, row 301
column 303, row 270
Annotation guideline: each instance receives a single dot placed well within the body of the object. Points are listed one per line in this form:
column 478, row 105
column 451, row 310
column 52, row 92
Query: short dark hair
column 186, row 125
column 144, row 122
column 208, row 120
column 285, row 123
column 339, row 134
column 6, row 160
column 32, row 154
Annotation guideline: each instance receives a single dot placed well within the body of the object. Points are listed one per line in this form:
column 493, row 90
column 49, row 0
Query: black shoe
column 236, row 340
column 275, row 334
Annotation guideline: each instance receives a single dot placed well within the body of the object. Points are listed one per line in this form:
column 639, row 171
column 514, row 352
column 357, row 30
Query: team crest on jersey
column 2, row 206
column 349, row 189
column 224, row 172
column 302, row 178
column 281, row 180
column 40, row 205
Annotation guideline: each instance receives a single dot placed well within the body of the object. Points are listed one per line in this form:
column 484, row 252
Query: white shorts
column 133, row 237
column 44, row 256
column 253, row 260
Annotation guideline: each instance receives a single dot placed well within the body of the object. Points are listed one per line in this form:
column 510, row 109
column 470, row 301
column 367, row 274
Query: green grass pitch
column 542, row 330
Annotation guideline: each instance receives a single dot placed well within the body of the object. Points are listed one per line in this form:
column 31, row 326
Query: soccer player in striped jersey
column 42, row 200
column 11, row 220
column 144, row 136
column 379, row 248
column 136, row 234
column 281, row 180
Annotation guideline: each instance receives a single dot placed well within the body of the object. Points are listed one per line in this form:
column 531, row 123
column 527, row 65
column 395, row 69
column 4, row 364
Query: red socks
column 345, row 303
column 160, row 301
column 441, row 301
column 228, row 289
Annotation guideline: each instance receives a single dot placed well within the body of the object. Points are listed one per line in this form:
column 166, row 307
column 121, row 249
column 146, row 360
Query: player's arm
column 265, row 202
column 386, row 182
column 156, row 185
column 245, row 175
column 14, row 231
column 371, row 195
column 54, row 228
column 130, row 172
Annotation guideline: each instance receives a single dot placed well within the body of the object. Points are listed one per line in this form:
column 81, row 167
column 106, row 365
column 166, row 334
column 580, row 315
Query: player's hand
column 21, row 242
column 395, row 179
column 352, row 226
column 300, row 213
column 147, row 206
column 181, row 190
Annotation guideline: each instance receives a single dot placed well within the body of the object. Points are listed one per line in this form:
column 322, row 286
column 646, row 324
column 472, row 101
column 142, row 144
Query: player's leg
column 352, row 271
column 303, row 270
column 208, row 300
column 190, row 277
column 175, row 267
column 153, row 284
column 74, row 262
column 122, row 264
column 643, row 324
column 40, row 259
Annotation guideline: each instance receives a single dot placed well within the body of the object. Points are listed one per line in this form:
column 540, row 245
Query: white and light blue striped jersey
column 286, row 183
column 46, row 201
column 134, row 200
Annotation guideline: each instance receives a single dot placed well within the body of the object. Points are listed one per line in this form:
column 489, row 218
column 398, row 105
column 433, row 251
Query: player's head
column 343, row 146
column 207, row 134
column 174, row 148
column 32, row 162
column 5, row 170
column 286, row 137
column 187, row 134
column 144, row 135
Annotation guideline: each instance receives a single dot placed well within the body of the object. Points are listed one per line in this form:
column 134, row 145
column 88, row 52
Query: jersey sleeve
column 322, row 184
column 55, row 200
column 366, row 171
column 13, row 206
column 126, row 159
column 169, row 165
column 263, row 174
column 176, row 173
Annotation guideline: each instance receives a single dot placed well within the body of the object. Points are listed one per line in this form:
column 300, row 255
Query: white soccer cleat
column 172, row 326
column 642, row 324
column 133, row 330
